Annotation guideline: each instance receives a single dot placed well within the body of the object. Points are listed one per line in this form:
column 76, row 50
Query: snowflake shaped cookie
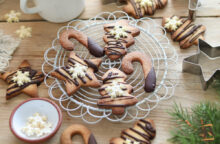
column 172, row 23
column 24, row 32
column 12, row 16
column 119, row 32
column 21, row 77
column 144, row 3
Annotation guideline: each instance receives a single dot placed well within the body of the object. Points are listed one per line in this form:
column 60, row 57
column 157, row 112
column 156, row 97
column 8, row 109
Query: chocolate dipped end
column 150, row 81
column 95, row 49
column 92, row 140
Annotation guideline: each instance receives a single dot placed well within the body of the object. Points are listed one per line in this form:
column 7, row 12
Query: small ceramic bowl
column 26, row 109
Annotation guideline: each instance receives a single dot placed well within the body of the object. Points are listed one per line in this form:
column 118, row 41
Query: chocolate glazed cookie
column 78, row 72
column 68, row 133
column 138, row 8
column 183, row 31
column 148, row 69
column 118, row 37
column 115, row 92
column 89, row 43
column 142, row 132
column 23, row 80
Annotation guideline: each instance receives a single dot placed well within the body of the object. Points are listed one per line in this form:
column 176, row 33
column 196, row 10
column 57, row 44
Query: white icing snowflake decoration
column 12, row 16
column 21, row 78
column 173, row 23
column 118, row 32
column 24, row 32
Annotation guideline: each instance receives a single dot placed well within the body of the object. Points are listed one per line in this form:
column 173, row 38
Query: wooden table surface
column 188, row 91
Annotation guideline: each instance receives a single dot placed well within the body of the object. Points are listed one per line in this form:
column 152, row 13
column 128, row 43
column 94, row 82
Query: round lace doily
column 83, row 104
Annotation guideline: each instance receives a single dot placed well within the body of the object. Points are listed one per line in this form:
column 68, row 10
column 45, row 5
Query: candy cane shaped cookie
column 68, row 133
column 149, row 73
column 89, row 43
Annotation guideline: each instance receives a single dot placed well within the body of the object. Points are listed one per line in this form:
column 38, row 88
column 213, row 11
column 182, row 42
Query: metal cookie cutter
column 191, row 63
column 193, row 6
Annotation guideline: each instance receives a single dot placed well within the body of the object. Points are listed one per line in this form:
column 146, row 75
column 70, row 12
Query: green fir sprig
column 200, row 125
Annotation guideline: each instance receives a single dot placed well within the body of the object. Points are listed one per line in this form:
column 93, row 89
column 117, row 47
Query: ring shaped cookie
column 148, row 69
column 89, row 43
column 68, row 133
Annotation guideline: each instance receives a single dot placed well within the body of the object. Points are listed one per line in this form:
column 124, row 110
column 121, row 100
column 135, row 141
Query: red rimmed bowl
column 26, row 109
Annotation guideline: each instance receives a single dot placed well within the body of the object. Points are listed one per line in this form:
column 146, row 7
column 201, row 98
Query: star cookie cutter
column 191, row 63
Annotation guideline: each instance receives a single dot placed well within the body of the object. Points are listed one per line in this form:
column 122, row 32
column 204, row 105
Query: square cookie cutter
column 191, row 63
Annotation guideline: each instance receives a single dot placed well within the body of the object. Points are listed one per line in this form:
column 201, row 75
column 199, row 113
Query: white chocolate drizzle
column 128, row 141
column 115, row 89
column 118, row 32
column 172, row 23
column 78, row 70
column 144, row 3
column 21, row 78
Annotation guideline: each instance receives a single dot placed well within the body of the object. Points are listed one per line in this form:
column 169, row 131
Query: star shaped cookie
column 205, row 63
column 23, row 80
column 78, row 72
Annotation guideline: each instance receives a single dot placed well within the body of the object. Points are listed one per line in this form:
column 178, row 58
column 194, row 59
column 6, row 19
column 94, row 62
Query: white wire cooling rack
column 83, row 104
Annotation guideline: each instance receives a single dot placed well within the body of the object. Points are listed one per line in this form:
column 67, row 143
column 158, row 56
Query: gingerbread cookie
column 89, row 43
column 78, row 72
column 68, row 133
column 148, row 69
column 119, row 36
column 138, row 8
column 115, row 92
column 23, row 80
column 183, row 30
column 142, row 132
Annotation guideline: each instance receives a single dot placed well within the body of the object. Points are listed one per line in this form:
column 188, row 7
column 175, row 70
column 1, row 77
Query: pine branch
column 199, row 126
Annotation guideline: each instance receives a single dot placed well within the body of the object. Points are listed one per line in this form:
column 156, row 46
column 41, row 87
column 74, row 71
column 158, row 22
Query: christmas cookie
column 118, row 37
column 183, row 30
column 115, row 92
column 78, row 72
column 23, row 80
column 148, row 69
column 68, row 133
column 142, row 132
column 89, row 43
column 138, row 8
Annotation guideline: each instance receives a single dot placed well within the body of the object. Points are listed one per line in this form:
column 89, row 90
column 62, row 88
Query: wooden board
column 94, row 7
column 188, row 90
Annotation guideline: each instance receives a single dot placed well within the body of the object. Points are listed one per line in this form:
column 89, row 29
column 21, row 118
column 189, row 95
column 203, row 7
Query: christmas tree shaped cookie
column 115, row 92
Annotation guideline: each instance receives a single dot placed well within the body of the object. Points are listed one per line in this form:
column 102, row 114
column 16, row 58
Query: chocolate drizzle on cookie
column 187, row 33
column 15, row 88
column 77, row 73
column 115, row 92
column 141, row 7
column 21, row 79
column 114, row 46
column 142, row 132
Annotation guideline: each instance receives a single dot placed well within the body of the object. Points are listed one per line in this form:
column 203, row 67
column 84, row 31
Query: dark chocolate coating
column 92, row 65
column 150, row 81
column 95, row 49
column 92, row 140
